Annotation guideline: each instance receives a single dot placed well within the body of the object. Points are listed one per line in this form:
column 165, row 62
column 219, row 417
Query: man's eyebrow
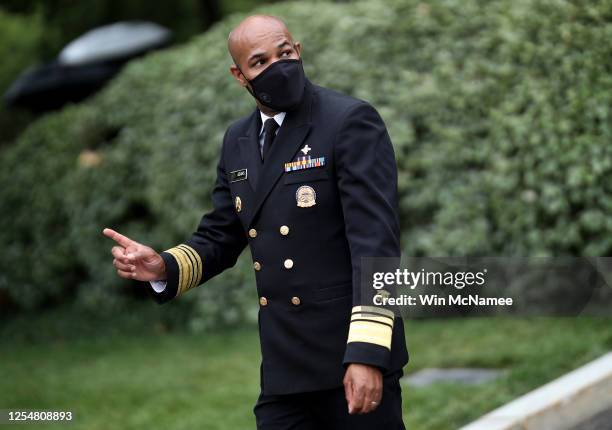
column 256, row 55
column 261, row 54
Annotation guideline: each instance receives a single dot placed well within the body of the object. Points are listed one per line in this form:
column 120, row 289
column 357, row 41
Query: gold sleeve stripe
column 371, row 324
column 197, row 268
column 370, row 332
column 181, row 275
column 373, row 310
column 184, row 269
column 188, row 270
column 190, row 267
column 376, row 319
column 370, row 315
column 374, row 322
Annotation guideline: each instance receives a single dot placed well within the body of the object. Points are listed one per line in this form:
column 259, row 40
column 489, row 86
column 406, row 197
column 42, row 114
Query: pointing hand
column 134, row 260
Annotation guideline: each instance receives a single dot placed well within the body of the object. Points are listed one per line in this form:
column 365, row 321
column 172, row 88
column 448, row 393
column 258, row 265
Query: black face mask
column 280, row 86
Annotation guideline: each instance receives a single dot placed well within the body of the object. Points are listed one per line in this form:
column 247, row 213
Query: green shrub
column 20, row 38
column 499, row 112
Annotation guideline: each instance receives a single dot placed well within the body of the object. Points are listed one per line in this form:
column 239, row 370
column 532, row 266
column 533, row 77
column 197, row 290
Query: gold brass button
column 288, row 263
column 252, row 232
column 383, row 294
column 263, row 301
column 284, row 230
column 257, row 266
column 296, row 301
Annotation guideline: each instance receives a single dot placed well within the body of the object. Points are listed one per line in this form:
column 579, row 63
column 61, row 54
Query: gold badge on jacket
column 238, row 204
column 305, row 196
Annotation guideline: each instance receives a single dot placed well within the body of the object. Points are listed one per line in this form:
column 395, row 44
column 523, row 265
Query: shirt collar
column 279, row 117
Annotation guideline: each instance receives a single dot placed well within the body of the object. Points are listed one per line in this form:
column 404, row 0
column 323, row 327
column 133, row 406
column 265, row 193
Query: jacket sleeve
column 367, row 182
column 212, row 248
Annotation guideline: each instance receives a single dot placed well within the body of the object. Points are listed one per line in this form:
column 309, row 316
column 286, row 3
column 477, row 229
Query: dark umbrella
column 85, row 65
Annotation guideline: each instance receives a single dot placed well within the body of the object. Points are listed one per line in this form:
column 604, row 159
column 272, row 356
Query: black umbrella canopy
column 85, row 65
column 114, row 42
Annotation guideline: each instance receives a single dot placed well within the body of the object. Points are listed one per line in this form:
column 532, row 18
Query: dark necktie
column 270, row 127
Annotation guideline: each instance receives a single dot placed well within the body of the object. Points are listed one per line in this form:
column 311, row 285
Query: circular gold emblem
column 305, row 196
column 238, row 204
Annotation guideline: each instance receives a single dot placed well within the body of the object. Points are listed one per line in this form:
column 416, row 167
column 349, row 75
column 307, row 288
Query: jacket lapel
column 287, row 142
column 249, row 149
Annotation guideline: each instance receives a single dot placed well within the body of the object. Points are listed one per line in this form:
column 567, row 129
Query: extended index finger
column 118, row 237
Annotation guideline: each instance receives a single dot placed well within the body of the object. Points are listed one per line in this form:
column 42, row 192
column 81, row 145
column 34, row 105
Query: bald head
column 252, row 30
column 258, row 41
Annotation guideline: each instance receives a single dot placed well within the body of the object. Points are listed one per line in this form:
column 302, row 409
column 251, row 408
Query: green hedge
column 20, row 38
column 499, row 112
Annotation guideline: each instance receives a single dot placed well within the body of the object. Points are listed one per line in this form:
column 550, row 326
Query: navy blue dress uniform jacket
column 325, row 196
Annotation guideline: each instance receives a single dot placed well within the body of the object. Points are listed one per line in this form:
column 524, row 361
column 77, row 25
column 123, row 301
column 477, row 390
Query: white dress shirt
column 159, row 286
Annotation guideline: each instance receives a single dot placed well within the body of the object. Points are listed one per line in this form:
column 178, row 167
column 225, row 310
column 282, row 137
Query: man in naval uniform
column 308, row 180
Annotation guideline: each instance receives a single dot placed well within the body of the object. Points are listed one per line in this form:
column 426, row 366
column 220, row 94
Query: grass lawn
column 125, row 379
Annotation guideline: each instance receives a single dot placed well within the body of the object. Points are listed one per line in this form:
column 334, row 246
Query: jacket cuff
column 183, row 272
column 369, row 338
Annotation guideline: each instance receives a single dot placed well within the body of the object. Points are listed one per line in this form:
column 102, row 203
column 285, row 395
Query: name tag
column 238, row 175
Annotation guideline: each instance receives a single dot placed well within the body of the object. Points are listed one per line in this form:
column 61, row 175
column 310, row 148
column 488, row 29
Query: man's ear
column 237, row 74
column 298, row 48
